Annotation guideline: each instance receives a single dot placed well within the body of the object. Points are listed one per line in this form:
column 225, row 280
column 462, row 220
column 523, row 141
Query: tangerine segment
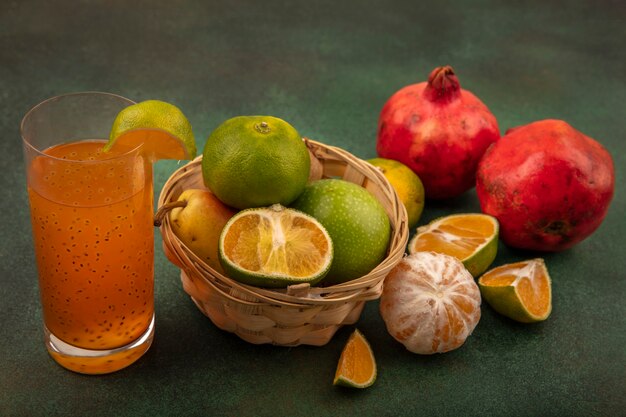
column 240, row 244
column 357, row 366
column 161, row 128
column 457, row 236
column 471, row 238
column 498, row 278
column 445, row 243
column 275, row 246
column 521, row 290
column 535, row 294
column 470, row 225
column 157, row 144
column 530, row 278
column 430, row 303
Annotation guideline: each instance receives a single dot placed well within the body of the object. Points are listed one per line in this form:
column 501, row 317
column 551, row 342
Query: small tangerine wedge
column 521, row 291
column 275, row 247
column 430, row 303
column 161, row 128
column 471, row 238
column 357, row 366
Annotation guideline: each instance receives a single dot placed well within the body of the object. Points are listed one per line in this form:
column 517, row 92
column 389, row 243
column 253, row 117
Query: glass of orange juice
column 91, row 214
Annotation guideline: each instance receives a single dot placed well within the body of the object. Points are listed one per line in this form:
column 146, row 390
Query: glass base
column 93, row 362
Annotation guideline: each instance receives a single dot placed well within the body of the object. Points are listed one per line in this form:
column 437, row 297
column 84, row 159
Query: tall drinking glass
column 91, row 214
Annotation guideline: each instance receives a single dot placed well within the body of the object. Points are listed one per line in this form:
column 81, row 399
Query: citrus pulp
column 357, row 366
column 275, row 247
column 521, row 291
column 161, row 128
column 471, row 238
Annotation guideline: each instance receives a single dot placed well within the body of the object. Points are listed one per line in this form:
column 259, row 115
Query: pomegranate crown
column 442, row 84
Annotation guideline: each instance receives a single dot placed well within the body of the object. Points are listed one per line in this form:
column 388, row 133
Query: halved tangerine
column 472, row 238
column 275, row 247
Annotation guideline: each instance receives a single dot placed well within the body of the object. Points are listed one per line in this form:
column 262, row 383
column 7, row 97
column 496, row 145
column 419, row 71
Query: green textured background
column 327, row 67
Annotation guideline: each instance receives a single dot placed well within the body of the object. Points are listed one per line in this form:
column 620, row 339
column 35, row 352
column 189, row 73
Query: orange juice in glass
column 91, row 214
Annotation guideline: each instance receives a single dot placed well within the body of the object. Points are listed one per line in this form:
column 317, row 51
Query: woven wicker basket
column 299, row 314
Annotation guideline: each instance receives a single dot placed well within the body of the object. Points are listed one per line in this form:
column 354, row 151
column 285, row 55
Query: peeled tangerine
column 430, row 303
column 439, row 130
column 548, row 185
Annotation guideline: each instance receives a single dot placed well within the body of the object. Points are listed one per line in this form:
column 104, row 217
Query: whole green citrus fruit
column 357, row 223
column 255, row 161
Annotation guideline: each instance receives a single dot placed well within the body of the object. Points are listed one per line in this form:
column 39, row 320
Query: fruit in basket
column 159, row 127
column 356, row 222
column 548, row 185
column 255, row 161
column 407, row 185
column 521, row 291
column 275, row 247
column 430, row 303
column 471, row 238
column 357, row 365
column 199, row 223
column 439, row 130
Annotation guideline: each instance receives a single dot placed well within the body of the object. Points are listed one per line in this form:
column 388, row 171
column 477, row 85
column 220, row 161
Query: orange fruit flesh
column 499, row 280
column 534, row 292
column 450, row 332
column 535, row 297
column 356, row 362
column 254, row 243
column 454, row 324
column 468, row 232
column 458, row 309
column 157, row 143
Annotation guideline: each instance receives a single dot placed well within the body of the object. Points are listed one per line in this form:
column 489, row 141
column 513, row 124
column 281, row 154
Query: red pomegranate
column 439, row 130
column 548, row 185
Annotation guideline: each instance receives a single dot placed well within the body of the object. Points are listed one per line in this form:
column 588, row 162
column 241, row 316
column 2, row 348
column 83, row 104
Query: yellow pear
column 200, row 222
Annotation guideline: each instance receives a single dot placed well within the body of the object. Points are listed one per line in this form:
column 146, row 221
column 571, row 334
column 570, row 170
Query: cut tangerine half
column 521, row 291
column 275, row 247
column 357, row 366
column 430, row 303
column 161, row 128
column 471, row 238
